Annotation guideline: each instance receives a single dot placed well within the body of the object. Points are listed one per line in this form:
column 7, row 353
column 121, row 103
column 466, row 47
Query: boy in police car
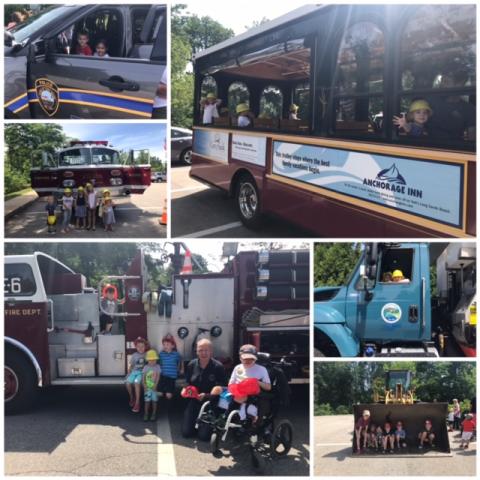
column 82, row 47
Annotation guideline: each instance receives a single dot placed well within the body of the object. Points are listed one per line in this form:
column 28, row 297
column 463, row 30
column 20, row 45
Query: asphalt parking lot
column 84, row 431
column 202, row 211
column 333, row 455
column 136, row 216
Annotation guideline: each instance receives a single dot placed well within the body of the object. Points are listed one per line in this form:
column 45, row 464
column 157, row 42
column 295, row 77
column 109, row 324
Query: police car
column 45, row 76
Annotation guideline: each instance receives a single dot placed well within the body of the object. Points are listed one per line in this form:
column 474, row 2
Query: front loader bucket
column 413, row 418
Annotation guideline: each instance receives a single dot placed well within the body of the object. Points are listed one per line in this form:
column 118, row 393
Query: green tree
column 334, row 262
column 24, row 144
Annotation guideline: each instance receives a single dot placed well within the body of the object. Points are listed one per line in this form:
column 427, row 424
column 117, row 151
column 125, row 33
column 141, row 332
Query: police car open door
column 64, row 84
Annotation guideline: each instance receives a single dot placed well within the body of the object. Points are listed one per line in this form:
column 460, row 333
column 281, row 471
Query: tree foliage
column 190, row 34
column 24, row 145
column 333, row 262
column 339, row 385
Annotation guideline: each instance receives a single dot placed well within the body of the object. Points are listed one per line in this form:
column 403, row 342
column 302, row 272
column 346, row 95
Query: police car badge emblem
column 48, row 96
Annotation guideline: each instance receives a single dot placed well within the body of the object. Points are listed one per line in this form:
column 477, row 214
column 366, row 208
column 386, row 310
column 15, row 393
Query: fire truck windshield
column 74, row 157
column 105, row 156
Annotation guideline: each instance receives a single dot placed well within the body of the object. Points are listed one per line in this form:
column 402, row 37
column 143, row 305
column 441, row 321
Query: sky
column 238, row 15
column 123, row 136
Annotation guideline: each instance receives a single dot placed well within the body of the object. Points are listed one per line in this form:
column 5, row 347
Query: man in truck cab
column 204, row 373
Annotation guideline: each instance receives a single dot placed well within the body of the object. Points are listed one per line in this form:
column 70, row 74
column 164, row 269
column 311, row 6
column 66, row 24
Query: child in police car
column 92, row 202
column 150, row 379
column 67, row 205
column 50, row 207
column 171, row 365
column 248, row 368
column 82, row 47
column 134, row 379
column 101, row 49
column 80, row 205
column 414, row 123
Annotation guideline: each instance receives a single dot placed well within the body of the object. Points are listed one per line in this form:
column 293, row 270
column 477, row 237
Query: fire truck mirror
column 216, row 331
column 182, row 332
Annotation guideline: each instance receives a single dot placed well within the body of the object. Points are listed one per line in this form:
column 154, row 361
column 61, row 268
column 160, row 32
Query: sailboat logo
column 391, row 175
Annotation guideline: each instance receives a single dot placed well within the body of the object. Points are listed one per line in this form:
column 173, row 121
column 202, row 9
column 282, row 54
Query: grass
column 11, row 195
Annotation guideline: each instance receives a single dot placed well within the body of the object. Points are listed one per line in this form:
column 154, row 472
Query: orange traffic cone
column 163, row 219
column 187, row 264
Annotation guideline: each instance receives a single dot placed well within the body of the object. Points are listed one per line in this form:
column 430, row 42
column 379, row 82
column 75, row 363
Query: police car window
column 74, row 157
column 176, row 133
column 19, row 280
column 105, row 156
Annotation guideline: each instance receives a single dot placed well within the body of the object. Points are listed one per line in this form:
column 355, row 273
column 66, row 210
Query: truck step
column 89, row 381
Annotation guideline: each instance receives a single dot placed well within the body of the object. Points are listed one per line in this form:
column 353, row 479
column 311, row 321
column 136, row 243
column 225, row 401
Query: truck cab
column 46, row 78
column 371, row 313
column 52, row 319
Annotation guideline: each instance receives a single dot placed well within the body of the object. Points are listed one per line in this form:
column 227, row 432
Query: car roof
column 181, row 129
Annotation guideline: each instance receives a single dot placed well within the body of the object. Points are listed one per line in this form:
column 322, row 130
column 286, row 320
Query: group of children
column 83, row 48
column 210, row 105
column 81, row 208
column 153, row 372
column 388, row 437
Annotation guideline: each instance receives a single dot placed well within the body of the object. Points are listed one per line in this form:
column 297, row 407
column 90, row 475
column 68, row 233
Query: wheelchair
column 268, row 438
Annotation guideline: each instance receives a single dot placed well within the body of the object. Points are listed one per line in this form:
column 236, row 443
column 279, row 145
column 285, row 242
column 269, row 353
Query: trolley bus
column 361, row 120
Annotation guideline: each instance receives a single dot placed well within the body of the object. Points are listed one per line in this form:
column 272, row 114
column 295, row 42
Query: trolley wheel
column 281, row 439
column 259, row 464
column 21, row 388
column 214, row 443
column 247, row 199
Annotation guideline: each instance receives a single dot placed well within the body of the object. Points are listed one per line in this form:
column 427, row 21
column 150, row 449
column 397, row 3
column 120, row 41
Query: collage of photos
column 240, row 240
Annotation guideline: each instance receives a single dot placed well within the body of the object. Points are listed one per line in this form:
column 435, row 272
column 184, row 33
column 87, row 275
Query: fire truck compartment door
column 111, row 355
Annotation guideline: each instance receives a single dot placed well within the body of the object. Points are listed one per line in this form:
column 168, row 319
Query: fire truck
column 94, row 162
column 52, row 317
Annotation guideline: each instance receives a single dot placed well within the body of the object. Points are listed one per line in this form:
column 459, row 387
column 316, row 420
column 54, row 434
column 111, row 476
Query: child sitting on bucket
column 150, row 378
column 241, row 389
column 361, row 431
column 372, row 436
column 135, row 374
column 388, row 437
column 400, row 436
column 413, row 123
column 427, row 435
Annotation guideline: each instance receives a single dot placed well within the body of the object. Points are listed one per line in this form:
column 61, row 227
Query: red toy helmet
column 141, row 340
column 245, row 388
column 108, row 287
column 190, row 392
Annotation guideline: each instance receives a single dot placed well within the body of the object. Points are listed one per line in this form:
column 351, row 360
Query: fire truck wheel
column 20, row 383
column 247, row 200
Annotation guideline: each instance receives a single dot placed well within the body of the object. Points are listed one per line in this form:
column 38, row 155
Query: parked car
column 158, row 177
column 181, row 145
column 45, row 77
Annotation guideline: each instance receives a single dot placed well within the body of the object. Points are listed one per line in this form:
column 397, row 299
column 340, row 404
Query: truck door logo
column 134, row 293
column 391, row 313
column 48, row 95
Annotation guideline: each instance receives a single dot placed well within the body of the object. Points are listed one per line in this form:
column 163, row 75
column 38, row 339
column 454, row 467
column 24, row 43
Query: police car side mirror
column 7, row 38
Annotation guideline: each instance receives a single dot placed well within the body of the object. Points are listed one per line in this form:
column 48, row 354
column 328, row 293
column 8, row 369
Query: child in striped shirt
column 171, row 365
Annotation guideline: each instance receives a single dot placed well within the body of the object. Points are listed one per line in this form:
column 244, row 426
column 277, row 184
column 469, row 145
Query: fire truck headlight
column 216, row 331
column 115, row 182
column 68, row 183
column 182, row 332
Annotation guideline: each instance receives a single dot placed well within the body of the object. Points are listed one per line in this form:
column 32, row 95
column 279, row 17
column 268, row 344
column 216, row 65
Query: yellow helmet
column 397, row 274
column 419, row 105
column 151, row 355
column 106, row 192
column 88, row 184
column 51, row 219
column 80, row 189
column 242, row 107
column 67, row 190
column 211, row 96
column 293, row 107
